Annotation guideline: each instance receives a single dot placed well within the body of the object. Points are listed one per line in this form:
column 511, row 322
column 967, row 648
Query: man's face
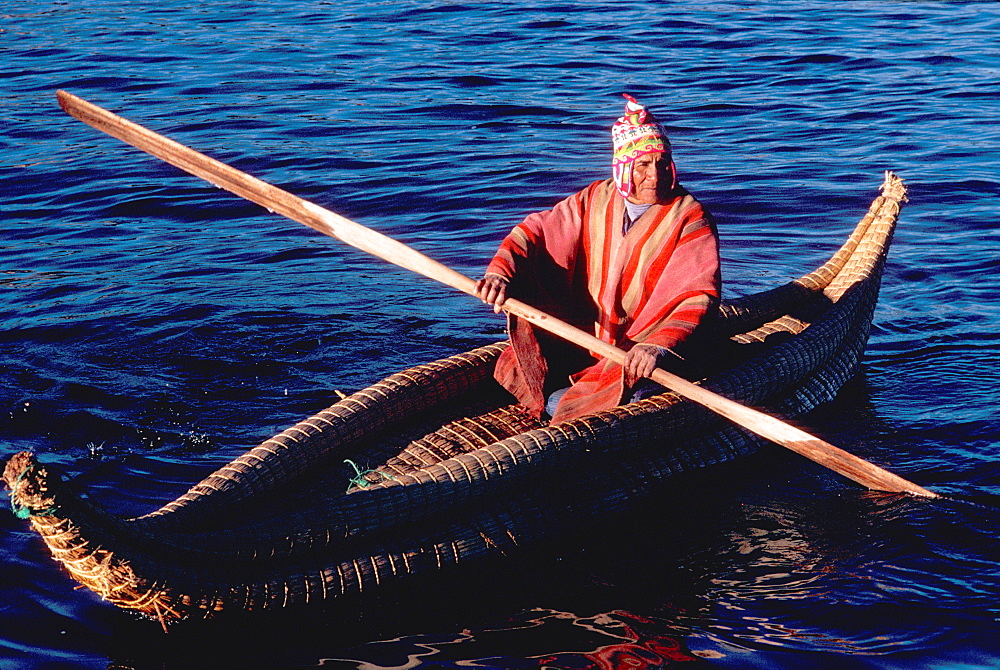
column 651, row 178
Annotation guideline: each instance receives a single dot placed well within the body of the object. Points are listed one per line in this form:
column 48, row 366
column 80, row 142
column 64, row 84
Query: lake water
column 153, row 327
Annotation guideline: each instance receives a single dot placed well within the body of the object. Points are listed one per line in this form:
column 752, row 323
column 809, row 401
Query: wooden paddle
column 365, row 239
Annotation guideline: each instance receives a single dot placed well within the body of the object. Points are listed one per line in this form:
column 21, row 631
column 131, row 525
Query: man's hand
column 640, row 361
column 492, row 290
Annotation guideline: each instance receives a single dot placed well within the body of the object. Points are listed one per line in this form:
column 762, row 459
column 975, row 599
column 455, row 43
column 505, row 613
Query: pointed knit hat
column 633, row 135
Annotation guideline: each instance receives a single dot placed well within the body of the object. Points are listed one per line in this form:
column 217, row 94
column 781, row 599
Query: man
column 633, row 259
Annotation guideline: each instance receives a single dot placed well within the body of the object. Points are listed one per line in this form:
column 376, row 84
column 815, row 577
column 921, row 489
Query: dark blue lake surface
column 153, row 327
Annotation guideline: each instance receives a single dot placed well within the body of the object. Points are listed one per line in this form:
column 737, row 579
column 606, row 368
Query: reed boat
column 463, row 472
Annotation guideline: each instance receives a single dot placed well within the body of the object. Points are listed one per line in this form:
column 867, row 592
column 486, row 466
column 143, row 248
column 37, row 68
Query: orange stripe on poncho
column 652, row 284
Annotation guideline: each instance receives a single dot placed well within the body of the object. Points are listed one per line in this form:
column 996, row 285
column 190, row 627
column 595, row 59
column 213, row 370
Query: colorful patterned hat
column 633, row 135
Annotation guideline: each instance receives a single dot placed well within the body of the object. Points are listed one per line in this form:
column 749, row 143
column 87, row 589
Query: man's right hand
column 492, row 290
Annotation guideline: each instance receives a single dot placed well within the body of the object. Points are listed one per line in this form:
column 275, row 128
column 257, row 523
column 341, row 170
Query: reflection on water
column 610, row 640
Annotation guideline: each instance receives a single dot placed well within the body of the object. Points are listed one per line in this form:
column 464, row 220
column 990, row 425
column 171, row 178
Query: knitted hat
column 633, row 135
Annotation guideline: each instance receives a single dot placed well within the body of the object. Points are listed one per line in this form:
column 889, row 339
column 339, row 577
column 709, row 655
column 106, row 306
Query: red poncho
column 652, row 284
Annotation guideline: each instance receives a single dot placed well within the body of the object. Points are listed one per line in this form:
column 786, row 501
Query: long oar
column 356, row 235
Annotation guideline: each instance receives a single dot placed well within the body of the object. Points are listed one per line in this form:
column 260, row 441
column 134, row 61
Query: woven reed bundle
column 465, row 471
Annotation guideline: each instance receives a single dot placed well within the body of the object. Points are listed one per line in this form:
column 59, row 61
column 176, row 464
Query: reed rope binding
column 360, row 479
column 25, row 511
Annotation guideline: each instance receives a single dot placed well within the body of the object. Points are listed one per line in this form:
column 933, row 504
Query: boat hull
column 464, row 471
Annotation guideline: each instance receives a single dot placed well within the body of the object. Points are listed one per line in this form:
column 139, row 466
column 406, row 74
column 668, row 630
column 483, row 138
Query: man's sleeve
column 556, row 232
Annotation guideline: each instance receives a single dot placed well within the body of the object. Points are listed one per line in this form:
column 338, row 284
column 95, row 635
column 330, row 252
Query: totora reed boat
column 465, row 472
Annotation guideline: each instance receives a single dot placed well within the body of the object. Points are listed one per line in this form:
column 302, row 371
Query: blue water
column 153, row 327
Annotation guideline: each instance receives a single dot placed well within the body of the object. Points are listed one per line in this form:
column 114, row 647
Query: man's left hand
column 640, row 361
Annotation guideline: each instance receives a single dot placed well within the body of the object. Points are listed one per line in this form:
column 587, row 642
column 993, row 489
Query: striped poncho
column 651, row 284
